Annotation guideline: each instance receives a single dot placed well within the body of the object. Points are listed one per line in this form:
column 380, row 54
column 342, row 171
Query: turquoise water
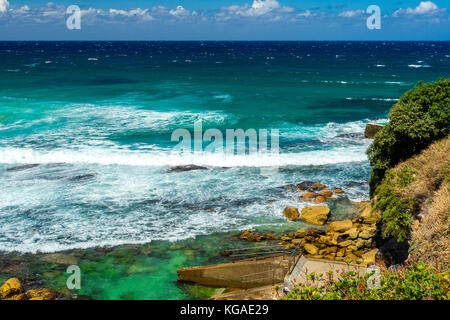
column 96, row 119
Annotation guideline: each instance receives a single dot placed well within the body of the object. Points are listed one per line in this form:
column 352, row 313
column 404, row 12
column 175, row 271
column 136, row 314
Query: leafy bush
column 396, row 211
column 421, row 116
column 416, row 281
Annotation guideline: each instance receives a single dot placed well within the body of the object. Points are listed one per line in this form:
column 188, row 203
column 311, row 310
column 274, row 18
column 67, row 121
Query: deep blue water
column 98, row 117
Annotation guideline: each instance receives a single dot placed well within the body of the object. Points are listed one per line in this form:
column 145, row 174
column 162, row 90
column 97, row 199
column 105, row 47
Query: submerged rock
column 189, row 167
column 42, row 294
column 60, row 258
column 24, row 167
column 81, row 177
column 317, row 215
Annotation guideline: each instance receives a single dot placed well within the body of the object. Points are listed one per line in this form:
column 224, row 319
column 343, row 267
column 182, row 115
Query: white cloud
column 258, row 8
column 425, row 7
column 4, row 4
column 305, row 14
column 351, row 13
column 179, row 11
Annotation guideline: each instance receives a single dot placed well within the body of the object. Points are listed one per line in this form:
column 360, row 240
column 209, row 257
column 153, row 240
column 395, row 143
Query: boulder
column 300, row 233
column 311, row 249
column 369, row 257
column 371, row 130
column 308, row 196
column 340, row 226
column 42, row 294
column 367, row 232
column 317, row 186
column 338, row 191
column 291, row 213
column 320, row 199
column 305, row 185
column 326, row 193
column 11, row 288
column 345, row 243
column 317, row 215
column 352, row 233
column 366, row 214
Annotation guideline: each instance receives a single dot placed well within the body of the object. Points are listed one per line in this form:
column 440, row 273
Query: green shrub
column 396, row 211
column 421, row 116
column 416, row 281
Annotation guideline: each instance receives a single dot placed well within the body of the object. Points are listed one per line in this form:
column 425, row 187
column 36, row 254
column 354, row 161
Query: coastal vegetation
column 420, row 117
column 415, row 281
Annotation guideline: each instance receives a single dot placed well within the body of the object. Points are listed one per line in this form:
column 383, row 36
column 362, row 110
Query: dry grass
column 430, row 168
column 431, row 237
column 431, row 187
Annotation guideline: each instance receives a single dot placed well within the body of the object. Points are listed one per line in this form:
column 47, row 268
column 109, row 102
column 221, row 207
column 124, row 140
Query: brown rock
column 300, row 233
column 317, row 215
column 19, row 296
column 371, row 130
column 369, row 257
column 338, row 191
column 291, row 213
column 286, row 238
column 366, row 214
column 298, row 241
column 317, row 186
column 352, row 233
column 345, row 243
column 340, row 252
column 368, row 232
column 42, row 294
column 311, row 249
column 326, row 193
column 11, row 288
column 320, row 199
column 340, row 226
column 308, row 196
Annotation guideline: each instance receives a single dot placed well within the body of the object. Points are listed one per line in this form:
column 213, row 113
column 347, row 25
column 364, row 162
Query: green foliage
column 415, row 281
column 421, row 116
column 396, row 211
column 405, row 177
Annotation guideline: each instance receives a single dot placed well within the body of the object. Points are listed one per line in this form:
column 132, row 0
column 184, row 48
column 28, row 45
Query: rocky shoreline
column 350, row 240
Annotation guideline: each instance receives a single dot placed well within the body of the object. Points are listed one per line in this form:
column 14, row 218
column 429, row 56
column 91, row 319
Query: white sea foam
column 419, row 66
column 169, row 158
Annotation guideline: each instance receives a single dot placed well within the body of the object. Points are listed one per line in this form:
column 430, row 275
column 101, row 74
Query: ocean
column 86, row 157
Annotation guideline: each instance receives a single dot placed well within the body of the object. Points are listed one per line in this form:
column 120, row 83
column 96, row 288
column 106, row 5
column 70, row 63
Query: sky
column 225, row 20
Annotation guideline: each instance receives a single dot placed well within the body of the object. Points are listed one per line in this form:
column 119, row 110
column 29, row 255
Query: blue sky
column 224, row 20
